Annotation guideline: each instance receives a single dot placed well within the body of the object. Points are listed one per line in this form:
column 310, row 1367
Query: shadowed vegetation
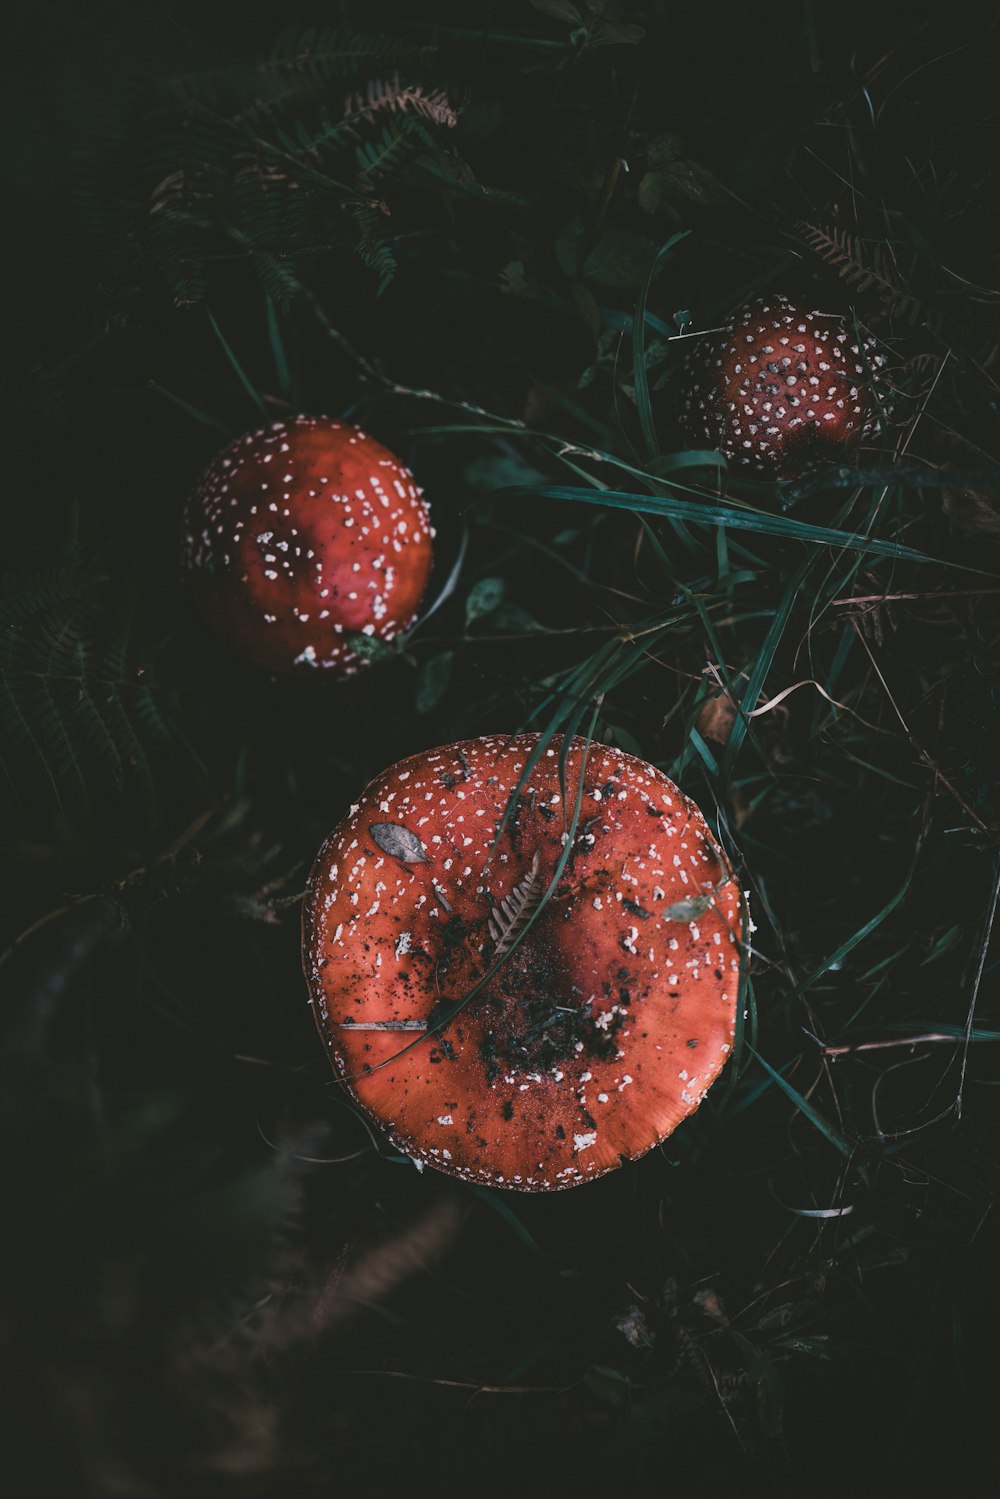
column 488, row 234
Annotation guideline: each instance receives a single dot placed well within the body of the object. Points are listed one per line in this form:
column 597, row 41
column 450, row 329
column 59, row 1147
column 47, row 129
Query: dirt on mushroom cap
column 600, row 1030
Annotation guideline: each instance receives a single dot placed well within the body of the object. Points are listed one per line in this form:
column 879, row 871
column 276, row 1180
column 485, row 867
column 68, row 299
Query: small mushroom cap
column 598, row 1033
column 302, row 534
column 780, row 385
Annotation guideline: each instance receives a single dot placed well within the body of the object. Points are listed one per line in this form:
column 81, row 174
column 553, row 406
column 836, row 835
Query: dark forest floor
column 216, row 1279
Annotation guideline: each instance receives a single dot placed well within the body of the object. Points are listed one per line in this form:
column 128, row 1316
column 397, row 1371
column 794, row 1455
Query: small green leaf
column 687, row 910
column 432, row 681
column 517, row 620
column 650, row 192
column 495, row 470
column 483, row 598
column 620, row 258
column 621, row 33
column 560, row 10
column 569, row 246
column 624, row 739
column 369, row 647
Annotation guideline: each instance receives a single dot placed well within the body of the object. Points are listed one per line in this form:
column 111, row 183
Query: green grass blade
column 240, row 372
column 282, row 369
column 850, row 944
column 640, row 373
column 839, row 1141
column 762, row 666
column 704, row 514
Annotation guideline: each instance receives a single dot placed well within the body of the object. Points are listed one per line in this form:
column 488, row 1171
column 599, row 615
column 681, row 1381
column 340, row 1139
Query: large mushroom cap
column 303, row 535
column 599, row 1032
column 780, row 385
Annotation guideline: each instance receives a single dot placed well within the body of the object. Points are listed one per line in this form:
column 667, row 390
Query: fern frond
column 516, row 909
column 371, row 242
column 300, row 138
column 869, row 267
column 271, row 218
column 398, row 141
column 255, row 152
column 325, row 53
column 444, row 163
column 82, row 711
column 391, row 95
column 25, row 595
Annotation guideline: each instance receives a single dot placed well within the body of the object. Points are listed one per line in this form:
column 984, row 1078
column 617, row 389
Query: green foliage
column 266, row 162
column 82, row 708
column 866, row 267
column 317, row 55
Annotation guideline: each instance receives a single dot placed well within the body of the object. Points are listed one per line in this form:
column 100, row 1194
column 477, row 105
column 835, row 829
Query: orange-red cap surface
column 303, row 535
column 781, row 384
column 598, row 1034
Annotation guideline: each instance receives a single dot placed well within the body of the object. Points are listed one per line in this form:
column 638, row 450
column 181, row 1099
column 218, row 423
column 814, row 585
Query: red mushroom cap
column 601, row 1030
column 302, row 534
column 780, row 385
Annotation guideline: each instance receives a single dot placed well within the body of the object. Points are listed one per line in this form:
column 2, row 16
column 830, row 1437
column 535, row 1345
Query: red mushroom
column 303, row 534
column 592, row 1037
column 780, row 385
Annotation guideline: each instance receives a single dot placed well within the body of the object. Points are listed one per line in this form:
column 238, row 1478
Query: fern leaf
column 397, row 142
column 868, row 267
column 372, row 245
column 516, row 910
column 25, row 595
column 80, row 709
column 381, row 95
column 325, row 53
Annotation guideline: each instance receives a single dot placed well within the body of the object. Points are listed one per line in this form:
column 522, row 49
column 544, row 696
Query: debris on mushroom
column 780, row 385
column 603, row 1008
column 303, row 537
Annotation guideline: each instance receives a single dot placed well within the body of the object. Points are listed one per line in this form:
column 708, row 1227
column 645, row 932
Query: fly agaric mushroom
column 304, row 534
column 780, row 385
column 587, row 1041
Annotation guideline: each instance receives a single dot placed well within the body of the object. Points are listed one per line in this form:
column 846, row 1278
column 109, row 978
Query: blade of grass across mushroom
column 594, row 678
column 565, row 720
column 452, row 1011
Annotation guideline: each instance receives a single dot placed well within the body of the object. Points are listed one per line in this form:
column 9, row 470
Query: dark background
column 215, row 1278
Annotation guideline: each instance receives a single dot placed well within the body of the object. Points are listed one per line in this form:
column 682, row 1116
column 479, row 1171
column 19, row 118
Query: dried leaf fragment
column 398, row 842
